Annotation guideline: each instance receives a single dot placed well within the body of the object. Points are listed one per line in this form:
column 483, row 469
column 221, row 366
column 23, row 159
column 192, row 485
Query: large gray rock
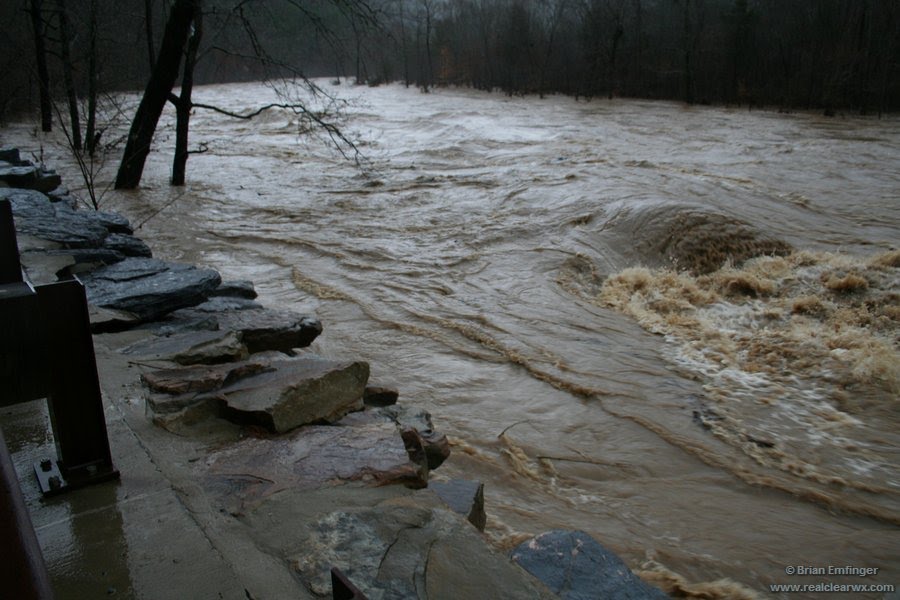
column 262, row 328
column 435, row 444
column 114, row 222
column 107, row 320
column 407, row 548
column 25, row 175
column 34, row 214
column 10, row 154
column 149, row 288
column 91, row 257
column 192, row 348
column 127, row 245
column 202, row 378
column 296, row 392
column 576, row 567
column 312, row 457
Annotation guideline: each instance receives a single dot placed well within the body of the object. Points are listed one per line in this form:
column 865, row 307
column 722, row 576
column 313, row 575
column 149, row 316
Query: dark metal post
column 10, row 269
column 46, row 350
column 75, row 401
column 342, row 588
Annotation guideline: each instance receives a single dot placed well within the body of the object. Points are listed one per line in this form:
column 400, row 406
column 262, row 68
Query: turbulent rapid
column 675, row 328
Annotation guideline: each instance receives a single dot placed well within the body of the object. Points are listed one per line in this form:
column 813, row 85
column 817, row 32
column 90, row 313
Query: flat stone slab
column 406, row 548
column 435, row 444
column 311, row 457
column 296, row 392
column 107, row 320
column 576, row 567
column 127, row 245
column 192, row 348
column 34, row 214
column 23, row 175
column 262, row 328
column 114, row 222
column 149, row 288
column 202, row 378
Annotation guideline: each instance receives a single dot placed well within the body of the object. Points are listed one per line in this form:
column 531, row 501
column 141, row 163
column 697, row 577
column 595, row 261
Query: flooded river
column 545, row 277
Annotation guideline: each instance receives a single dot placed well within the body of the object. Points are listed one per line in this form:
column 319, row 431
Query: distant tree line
column 822, row 54
column 808, row 54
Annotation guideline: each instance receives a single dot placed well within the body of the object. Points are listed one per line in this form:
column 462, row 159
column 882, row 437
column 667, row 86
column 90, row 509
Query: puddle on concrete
column 80, row 533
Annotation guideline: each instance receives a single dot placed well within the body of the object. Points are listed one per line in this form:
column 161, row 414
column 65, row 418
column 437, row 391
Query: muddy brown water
column 466, row 262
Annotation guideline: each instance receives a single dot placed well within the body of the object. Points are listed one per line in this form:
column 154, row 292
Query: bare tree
column 93, row 80
column 65, row 42
column 165, row 72
column 183, row 104
column 39, row 27
column 184, row 31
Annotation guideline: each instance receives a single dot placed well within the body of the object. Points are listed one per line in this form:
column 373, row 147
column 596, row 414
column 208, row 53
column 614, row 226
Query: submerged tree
column 156, row 94
column 43, row 73
column 180, row 48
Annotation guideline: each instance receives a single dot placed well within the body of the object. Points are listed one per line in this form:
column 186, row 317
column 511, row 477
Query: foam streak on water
column 470, row 265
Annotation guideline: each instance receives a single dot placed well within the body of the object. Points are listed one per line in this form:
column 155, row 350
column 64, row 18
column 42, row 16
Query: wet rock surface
column 193, row 348
column 262, row 329
column 23, row 174
column 149, row 288
column 296, row 392
column 127, row 245
column 435, row 444
column 407, row 548
column 58, row 222
column 201, row 378
column 576, row 567
column 107, row 320
column 307, row 458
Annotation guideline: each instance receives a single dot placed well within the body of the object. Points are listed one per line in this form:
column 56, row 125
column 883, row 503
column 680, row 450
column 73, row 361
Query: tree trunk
column 92, row 139
column 37, row 23
column 71, row 96
column 688, row 51
column 148, row 24
column 165, row 71
column 403, row 46
column 184, row 105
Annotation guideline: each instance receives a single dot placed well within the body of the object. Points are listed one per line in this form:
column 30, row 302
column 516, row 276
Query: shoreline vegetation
column 834, row 56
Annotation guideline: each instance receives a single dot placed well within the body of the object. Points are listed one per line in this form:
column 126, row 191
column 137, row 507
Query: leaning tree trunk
column 184, row 105
column 165, row 71
column 37, row 23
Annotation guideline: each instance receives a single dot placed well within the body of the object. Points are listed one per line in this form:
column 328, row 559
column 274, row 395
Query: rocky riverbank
column 281, row 457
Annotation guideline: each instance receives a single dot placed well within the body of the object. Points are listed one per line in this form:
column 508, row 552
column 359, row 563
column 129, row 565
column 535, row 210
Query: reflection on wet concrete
column 125, row 539
column 81, row 533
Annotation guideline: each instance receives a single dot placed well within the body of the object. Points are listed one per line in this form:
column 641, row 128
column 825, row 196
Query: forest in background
column 832, row 55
